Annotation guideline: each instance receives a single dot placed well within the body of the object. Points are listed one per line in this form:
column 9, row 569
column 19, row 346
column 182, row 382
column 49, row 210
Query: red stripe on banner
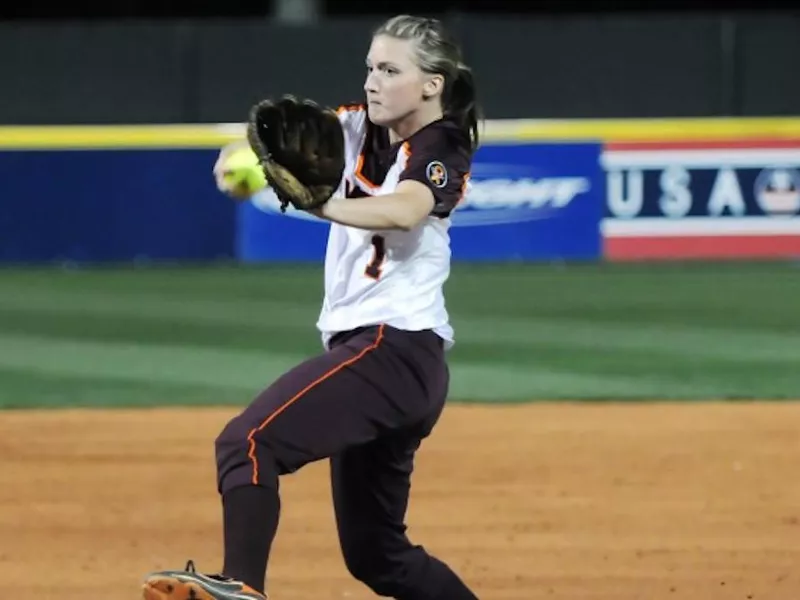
column 744, row 144
column 705, row 246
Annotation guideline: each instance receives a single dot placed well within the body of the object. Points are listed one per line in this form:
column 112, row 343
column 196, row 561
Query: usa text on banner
column 695, row 199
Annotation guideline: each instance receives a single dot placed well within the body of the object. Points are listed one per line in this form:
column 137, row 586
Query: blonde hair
column 438, row 52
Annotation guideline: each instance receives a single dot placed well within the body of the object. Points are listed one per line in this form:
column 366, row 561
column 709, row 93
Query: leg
column 371, row 486
column 364, row 387
column 305, row 415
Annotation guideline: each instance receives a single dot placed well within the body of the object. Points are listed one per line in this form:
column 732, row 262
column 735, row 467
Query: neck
column 411, row 123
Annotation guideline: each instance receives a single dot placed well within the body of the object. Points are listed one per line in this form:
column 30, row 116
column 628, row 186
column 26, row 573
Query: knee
column 231, row 449
column 238, row 460
column 370, row 563
column 232, row 440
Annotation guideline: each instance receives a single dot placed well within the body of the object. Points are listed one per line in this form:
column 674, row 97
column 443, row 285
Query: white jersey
column 394, row 277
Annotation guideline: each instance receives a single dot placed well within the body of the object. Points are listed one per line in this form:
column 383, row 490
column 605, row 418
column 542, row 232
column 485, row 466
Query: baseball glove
column 300, row 146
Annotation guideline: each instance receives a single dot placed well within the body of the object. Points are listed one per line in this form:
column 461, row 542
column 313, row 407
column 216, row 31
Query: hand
column 220, row 174
column 300, row 147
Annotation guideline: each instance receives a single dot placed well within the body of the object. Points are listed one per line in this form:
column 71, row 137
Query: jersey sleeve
column 441, row 161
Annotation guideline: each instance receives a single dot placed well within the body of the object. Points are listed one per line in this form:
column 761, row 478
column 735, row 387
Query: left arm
column 403, row 209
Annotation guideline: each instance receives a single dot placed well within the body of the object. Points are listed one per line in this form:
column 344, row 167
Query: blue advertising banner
column 265, row 234
column 527, row 202
column 112, row 205
column 532, row 202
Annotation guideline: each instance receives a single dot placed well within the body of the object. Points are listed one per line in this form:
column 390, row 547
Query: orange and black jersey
column 439, row 156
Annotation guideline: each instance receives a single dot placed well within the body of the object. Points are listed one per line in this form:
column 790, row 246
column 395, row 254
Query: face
column 395, row 85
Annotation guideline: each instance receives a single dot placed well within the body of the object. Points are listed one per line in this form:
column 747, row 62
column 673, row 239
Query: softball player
column 379, row 387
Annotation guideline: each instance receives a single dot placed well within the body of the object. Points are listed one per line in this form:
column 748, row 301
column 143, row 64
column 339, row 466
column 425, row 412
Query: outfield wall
column 541, row 190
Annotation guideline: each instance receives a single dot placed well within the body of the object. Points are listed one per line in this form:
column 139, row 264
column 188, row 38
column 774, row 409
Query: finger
column 292, row 122
column 310, row 130
column 268, row 123
column 331, row 134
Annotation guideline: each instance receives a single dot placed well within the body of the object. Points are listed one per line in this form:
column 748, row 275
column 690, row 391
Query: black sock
column 251, row 516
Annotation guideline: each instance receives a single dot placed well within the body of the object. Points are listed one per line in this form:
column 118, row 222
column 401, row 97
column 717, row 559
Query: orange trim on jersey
column 360, row 161
column 373, row 187
column 406, row 148
column 464, row 183
column 361, row 177
column 350, row 108
column 251, row 453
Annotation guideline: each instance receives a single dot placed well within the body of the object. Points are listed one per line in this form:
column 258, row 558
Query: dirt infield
column 538, row 501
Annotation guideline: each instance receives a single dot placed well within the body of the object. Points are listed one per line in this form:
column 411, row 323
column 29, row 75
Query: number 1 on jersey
column 373, row 269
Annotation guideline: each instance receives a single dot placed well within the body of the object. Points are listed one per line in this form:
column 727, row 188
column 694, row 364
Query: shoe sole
column 170, row 588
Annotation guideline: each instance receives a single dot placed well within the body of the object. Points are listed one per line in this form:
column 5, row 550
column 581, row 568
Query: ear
column 433, row 86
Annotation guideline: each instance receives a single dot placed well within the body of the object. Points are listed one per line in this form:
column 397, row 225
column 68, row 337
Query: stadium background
column 631, row 240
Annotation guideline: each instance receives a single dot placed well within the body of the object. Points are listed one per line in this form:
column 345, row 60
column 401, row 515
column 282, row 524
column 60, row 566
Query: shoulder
column 439, row 156
column 442, row 142
column 351, row 108
column 352, row 115
column 443, row 135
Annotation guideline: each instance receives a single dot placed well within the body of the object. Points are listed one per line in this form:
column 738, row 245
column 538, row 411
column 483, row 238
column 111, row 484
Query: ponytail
column 461, row 103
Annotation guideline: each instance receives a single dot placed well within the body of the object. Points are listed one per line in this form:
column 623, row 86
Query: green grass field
column 216, row 335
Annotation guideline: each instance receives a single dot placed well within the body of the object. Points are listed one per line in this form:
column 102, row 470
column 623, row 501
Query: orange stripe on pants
column 251, row 453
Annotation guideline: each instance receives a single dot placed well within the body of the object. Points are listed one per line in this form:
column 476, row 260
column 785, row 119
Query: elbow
column 407, row 224
column 410, row 207
column 409, row 211
column 410, row 219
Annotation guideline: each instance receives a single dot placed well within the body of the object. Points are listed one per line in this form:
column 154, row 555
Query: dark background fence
column 528, row 66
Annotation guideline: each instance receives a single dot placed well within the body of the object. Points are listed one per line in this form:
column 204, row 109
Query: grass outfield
column 216, row 335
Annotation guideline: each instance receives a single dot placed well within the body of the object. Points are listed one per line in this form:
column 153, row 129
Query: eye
column 390, row 71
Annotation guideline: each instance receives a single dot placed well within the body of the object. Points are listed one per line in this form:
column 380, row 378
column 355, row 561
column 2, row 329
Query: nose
column 370, row 85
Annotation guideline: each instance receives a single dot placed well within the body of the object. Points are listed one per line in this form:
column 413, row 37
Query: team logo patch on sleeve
column 436, row 174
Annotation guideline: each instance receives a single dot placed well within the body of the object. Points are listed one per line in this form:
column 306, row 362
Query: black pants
column 367, row 404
